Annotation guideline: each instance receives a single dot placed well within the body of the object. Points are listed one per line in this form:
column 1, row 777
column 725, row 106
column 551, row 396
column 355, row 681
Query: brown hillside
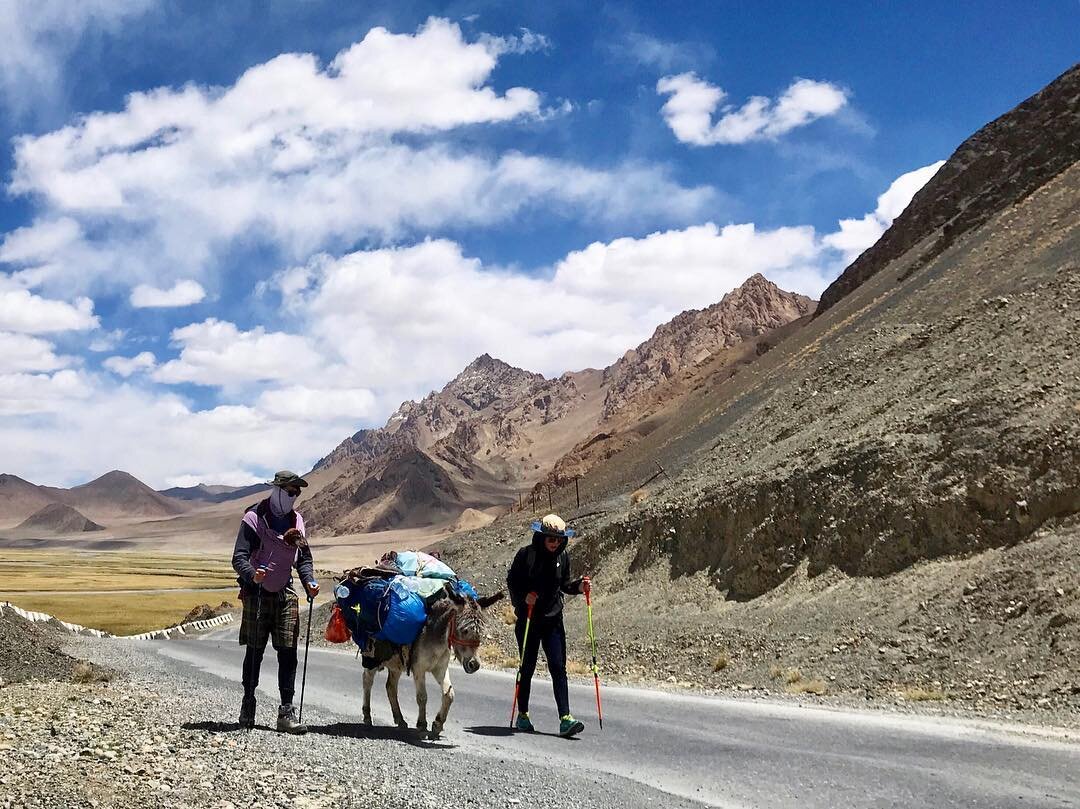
column 59, row 519
column 118, row 494
column 19, row 499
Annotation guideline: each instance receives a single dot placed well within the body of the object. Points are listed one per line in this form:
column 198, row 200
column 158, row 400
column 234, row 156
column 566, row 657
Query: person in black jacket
column 539, row 577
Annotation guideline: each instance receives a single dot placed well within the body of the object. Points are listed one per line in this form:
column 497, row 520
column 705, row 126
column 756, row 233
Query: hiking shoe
column 523, row 723
column 247, row 712
column 287, row 721
column 568, row 726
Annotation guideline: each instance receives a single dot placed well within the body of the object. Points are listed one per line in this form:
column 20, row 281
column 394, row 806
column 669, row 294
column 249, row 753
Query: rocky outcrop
column 495, row 430
column 756, row 307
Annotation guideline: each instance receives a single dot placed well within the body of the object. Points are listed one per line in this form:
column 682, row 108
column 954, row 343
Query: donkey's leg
column 393, row 677
column 369, row 680
column 441, row 672
column 420, row 680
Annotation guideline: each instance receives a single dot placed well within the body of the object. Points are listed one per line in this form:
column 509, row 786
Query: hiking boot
column 523, row 723
column 568, row 726
column 287, row 721
column 247, row 712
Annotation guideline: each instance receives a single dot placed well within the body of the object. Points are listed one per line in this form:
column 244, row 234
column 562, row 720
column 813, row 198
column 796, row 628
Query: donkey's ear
column 487, row 601
column 452, row 594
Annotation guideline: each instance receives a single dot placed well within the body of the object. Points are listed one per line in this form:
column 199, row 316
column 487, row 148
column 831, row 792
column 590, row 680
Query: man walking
column 538, row 578
column 271, row 542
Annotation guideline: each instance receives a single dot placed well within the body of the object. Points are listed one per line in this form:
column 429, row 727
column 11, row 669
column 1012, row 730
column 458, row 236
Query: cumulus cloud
column 23, row 311
column 216, row 352
column 28, row 393
column 126, row 366
column 20, row 353
column 302, row 158
column 301, row 403
column 39, row 36
column 407, row 319
column 68, row 428
column 693, row 101
column 182, row 293
column 855, row 235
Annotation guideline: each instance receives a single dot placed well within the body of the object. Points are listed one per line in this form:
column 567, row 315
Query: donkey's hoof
column 421, row 726
column 401, row 723
column 367, row 720
column 436, row 731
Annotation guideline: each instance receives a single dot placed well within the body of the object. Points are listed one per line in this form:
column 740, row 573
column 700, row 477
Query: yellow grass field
column 80, row 587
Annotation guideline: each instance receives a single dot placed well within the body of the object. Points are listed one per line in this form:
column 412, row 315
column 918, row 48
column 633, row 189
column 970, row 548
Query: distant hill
column 203, row 493
column 19, row 499
column 56, row 518
column 119, row 494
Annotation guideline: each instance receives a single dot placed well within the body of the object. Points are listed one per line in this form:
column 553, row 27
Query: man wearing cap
column 538, row 578
column 271, row 542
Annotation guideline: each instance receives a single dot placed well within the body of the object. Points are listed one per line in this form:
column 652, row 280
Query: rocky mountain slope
column 495, row 430
column 893, row 487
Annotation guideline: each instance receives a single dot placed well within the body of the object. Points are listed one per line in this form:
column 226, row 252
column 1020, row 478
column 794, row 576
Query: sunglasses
column 292, row 492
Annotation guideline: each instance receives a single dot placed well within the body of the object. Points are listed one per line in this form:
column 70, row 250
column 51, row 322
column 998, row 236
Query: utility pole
column 549, row 497
column 577, row 490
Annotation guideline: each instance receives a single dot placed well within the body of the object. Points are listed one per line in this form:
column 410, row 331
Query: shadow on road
column 503, row 731
column 358, row 730
column 213, row 727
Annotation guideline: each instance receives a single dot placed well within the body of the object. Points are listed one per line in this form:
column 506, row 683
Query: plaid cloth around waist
column 270, row 615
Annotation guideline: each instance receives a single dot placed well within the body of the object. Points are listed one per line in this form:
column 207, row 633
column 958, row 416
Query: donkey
column 455, row 625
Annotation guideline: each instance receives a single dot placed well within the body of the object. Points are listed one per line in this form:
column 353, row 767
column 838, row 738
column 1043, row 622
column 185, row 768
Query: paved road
column 719, row 752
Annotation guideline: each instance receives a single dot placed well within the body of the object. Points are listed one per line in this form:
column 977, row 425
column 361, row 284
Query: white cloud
column 374, row 327
column 403, row 320
column 24, row 393
column 855, row 235
column 216, row 352
column 525, row 42
column 689, row 110
column 39, row 36
column 22, row 311
column 126, row 366
column 304, row 159
column 20, row 353
column 74, row 428
column 107, row 341
column 300, row 403
column 183, row 293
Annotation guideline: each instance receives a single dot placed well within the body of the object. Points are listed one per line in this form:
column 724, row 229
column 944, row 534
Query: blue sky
column 231, row 238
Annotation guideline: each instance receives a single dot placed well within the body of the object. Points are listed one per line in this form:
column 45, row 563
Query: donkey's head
column 467, row 622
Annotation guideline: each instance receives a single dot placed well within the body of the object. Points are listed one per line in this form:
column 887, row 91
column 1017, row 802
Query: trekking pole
column 521, row 662
column 595, row 668
column 307, row 644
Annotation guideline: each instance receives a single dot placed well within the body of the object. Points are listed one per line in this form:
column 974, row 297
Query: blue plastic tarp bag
column 405, row 614
column 364, row 605
column 463, row 588
column 407, row 562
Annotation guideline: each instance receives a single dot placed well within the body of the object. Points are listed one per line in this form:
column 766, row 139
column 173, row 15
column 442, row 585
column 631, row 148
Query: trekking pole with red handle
column 587, row 587
column 521, row 660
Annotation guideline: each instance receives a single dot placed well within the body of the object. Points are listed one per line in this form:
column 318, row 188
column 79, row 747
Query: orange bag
column 336, row 631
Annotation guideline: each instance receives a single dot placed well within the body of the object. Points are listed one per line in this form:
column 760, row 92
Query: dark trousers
column 549, row 633
column 286, row 672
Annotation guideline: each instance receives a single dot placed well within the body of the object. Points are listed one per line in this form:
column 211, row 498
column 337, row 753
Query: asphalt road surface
column 719, row 752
